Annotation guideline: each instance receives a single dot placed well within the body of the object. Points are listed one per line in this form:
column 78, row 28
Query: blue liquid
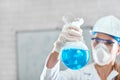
column 75, row 58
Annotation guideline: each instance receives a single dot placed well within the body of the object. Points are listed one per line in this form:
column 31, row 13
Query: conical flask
column 75, row 55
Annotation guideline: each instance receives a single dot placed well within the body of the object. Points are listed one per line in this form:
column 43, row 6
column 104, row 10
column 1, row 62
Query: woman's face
column 105, row 49
column 111, row 43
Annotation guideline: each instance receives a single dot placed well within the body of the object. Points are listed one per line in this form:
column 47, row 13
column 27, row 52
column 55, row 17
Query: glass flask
column 75, row 55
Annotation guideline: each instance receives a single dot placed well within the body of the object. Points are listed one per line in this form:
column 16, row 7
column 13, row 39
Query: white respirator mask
column 102, row 55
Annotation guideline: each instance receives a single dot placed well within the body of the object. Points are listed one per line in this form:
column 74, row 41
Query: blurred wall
column 24, row 15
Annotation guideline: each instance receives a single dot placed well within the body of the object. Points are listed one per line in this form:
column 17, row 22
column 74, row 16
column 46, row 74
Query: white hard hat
column 109, row 25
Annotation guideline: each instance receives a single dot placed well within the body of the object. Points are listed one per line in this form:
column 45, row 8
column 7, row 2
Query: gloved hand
column 69, row 33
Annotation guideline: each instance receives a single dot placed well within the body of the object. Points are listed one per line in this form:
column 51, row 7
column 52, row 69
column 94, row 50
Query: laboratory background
column 28, row 29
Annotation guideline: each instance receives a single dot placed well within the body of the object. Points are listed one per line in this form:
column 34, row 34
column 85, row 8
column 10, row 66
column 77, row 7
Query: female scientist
column 105, row 48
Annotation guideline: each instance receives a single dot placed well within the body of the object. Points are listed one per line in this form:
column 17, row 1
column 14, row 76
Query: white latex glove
column 70, row 33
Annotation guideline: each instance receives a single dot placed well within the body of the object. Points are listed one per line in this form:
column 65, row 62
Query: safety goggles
column 106, row 42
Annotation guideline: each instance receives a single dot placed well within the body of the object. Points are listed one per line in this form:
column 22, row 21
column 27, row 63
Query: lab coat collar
column 92, row 71
column 112, row 75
